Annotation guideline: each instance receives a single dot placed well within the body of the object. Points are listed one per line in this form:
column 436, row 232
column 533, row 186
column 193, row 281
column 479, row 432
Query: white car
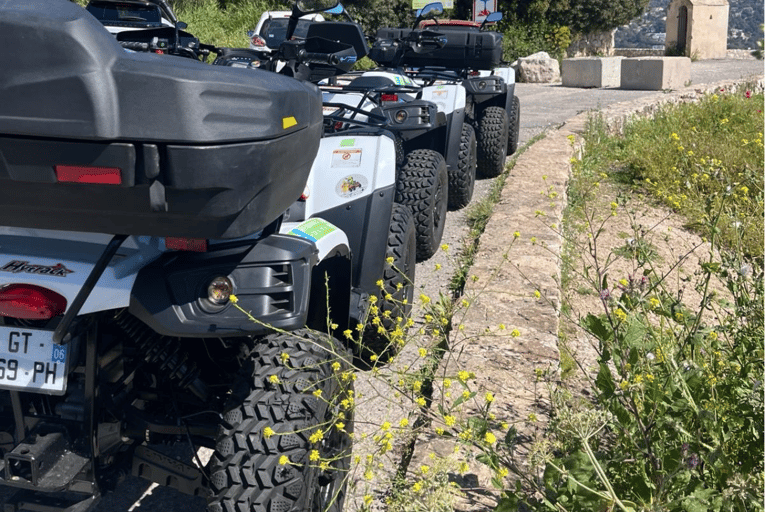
column 129, row 14
column 271, row 28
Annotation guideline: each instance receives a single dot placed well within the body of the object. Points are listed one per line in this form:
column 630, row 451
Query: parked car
column 271, row 28
column 131, row 14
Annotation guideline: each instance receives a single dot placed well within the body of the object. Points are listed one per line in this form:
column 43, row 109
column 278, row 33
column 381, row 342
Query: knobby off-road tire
column 514, row 126
column 461, row 181
column 397, row 279
column 422, row 186
column 493, row 132
column 245, row 470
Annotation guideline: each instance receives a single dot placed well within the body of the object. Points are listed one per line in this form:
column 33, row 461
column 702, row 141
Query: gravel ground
column 542, row 106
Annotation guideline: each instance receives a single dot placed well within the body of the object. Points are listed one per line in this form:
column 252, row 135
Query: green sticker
column 347, row 143
column 315, row 229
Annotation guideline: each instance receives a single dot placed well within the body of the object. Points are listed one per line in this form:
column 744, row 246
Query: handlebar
column 135, row 46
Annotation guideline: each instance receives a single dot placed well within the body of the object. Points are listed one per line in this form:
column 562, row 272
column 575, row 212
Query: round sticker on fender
column 352, row 185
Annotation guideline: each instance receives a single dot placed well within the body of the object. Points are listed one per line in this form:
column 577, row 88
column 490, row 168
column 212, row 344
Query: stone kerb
column 655, row 73
column 592, row 72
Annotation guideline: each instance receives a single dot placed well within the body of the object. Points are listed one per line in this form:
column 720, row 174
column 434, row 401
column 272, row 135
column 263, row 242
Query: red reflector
column 474, row 73
column 389, row 97
column 30, row 302
column 257, row 41
column 160, row 52
column 81, row 174
column 187, row 244
column 338, row 125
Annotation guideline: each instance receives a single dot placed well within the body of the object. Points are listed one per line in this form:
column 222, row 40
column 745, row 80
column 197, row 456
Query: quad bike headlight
column 401, row 116
column 220, row 290
column 481, row 85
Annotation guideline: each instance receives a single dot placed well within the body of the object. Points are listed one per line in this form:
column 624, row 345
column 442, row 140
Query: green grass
column 687, row 153
column 226, row 28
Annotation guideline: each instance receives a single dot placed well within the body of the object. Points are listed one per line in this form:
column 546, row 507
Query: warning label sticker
column 346, row 157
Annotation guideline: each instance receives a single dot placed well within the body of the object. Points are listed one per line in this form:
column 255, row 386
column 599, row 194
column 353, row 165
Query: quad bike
column 419, row 133
column 140, row 201
column 466, row 58
column 457, row 141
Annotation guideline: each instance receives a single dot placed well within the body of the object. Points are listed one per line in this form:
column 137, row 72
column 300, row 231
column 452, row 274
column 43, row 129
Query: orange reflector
column 187, row 244
column 82, row 174
column 30, row 302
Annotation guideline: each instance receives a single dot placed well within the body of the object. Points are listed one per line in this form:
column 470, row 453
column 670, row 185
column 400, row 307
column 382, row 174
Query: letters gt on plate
column 31, row 361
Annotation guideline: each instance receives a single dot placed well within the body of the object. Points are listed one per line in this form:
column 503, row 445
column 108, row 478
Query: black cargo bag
column 96, row 138
column 465, row 49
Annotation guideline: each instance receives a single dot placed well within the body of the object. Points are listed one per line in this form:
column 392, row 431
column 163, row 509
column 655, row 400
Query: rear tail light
column 30, row 302
column 86, row 174
column 389, row 97
column 258, row 41
column 187, row 244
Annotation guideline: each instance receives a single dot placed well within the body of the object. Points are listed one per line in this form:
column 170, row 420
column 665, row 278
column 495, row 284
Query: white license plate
column 31, row 361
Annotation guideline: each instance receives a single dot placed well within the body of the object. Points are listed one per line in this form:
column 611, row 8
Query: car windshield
column 273, row 31
column 109, row 12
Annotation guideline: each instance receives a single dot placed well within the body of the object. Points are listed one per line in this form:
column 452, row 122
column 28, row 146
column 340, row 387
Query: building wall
column 707, row 28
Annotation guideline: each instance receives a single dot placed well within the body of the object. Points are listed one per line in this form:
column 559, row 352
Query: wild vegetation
column 664, row 410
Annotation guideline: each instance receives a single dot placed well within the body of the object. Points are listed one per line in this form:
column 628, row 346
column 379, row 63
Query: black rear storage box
column 202, row 151
column 465, row 49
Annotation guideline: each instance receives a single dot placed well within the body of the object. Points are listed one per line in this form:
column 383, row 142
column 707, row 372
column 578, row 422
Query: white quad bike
column 138, row 197
column 384, row 101
column 455, row 140
column 471, row 57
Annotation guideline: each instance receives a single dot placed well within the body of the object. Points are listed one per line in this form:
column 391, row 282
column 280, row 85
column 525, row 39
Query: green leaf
column 508, row 503
column 510, row 439
column 635, row 332
column 596, row 327
column 604, row 381
column 700, row 500
column 461, row 399
column 634, row 356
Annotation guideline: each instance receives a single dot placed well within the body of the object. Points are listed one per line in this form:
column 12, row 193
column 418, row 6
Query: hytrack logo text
column 58, row 270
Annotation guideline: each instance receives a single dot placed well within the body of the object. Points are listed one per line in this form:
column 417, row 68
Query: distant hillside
column 744, row 19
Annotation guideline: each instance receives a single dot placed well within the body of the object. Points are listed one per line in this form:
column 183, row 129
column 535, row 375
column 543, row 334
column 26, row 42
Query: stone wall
column 595, row 44
column 638, row 52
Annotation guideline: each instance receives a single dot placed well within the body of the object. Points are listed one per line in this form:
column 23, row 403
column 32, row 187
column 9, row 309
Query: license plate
column 31, row 361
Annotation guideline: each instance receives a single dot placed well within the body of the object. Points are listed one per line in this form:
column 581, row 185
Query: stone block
column 655, row 73
column 592, row 72
column 538, row 68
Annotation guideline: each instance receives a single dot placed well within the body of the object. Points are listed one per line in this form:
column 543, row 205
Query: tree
column 580, row 16
column 587, row 16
